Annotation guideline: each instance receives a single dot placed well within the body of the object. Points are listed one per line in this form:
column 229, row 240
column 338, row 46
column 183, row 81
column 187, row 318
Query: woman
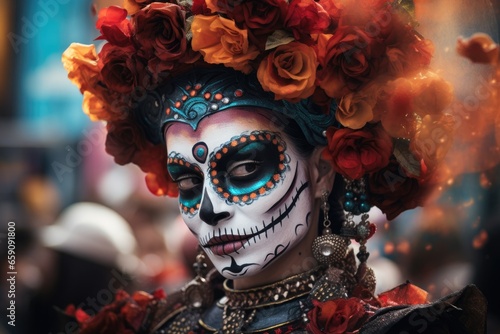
column 278, row 124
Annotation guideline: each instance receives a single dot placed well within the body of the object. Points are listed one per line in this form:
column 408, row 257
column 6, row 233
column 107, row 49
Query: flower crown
column 363, row 55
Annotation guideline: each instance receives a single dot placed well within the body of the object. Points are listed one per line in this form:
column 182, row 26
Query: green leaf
column 189, row 32
column 277, row 38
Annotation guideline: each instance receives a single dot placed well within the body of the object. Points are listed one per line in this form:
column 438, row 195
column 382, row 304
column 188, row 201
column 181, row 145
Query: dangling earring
column 328, row 248
column 356, row 203
column 198, row 293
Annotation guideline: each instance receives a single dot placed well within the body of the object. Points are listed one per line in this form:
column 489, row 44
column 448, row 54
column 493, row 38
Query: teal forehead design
column 202, row 92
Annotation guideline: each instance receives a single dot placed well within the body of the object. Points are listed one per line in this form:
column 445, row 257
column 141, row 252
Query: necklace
column 240, row 306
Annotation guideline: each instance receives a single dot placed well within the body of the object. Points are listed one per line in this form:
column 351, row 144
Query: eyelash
column 238, row 164
column 186, row 177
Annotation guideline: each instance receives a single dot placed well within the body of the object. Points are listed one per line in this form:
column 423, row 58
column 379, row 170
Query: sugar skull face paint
column 250, row 200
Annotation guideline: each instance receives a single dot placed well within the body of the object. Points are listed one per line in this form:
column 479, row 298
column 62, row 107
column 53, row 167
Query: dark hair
column 304, row 148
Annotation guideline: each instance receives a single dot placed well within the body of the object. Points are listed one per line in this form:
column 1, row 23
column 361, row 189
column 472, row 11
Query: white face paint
column 244, row 191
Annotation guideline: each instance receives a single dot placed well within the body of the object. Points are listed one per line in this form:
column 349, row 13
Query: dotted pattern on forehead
column 218, row 172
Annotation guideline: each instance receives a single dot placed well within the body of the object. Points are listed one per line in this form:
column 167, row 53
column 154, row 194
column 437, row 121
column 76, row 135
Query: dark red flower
column 121, row 69
column 337, row 316
column 350, row 58
column 160, row 32
column 124, row 315
column 354, row 153
column 124, row 140
column 393, row 192
column 114, row 26
column 200, row 8
column 306, row 17
column 260, row 18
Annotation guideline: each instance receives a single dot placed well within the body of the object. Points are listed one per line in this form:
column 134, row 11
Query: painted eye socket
column 188, row 182
column 248, row 167
column 189, row 179
column 242, row 169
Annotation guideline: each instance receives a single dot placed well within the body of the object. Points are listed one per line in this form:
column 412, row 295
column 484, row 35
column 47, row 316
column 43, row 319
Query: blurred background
column 86, row 227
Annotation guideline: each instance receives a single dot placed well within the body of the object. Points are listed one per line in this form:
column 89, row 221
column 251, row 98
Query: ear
column 322, row 173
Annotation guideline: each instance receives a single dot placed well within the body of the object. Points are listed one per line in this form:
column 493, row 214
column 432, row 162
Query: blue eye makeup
column 189, row 179
column 248, row 167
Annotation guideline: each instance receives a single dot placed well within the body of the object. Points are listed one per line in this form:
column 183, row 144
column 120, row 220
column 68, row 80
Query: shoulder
column 462, row 312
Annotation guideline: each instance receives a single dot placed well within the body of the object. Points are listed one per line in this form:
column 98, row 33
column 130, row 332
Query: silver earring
column 328, row 248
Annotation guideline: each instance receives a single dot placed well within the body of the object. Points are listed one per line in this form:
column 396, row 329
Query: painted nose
column 207, row 213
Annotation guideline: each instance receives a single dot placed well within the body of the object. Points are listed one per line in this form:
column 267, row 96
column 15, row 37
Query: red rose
column 160, row 31
column 121, row 69
column 124, row 140
column 124, row 315
column 353, row 153
column 114, row 26
column 200, row 8
column 260, row 18
column 337, row 316
column 393, row 192
column 306, row 17
column 350, row 58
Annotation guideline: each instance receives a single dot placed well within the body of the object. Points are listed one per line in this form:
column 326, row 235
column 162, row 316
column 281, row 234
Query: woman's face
column 244, row 189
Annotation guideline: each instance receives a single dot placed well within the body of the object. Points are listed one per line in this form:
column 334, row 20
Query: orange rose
column 398, row 118
column 221, row 42
column 289, row 71
column 94, row 107
column 432, row 94
column 80, row 61
column 356, row 109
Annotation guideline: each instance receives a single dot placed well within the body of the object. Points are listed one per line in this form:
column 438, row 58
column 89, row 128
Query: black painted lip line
column 288, row 192
column 224, row 239
column 287, row 211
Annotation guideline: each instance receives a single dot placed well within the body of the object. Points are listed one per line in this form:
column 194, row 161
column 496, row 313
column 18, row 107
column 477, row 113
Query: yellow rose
column 289, row 71
column 221, row 42
column 80, row 61
column 94, row 107
column 356, row 109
